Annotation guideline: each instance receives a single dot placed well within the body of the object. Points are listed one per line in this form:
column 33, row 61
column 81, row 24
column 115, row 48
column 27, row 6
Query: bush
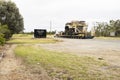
column 4, row 30
column 2, row 39
column 5, row 34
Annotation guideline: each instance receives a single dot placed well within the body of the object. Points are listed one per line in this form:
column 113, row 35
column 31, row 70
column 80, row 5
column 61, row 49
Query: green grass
column 28, row 39
column 62, row 65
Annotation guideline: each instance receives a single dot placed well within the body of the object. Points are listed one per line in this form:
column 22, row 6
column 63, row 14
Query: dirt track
column 106, row 49
column 12, row 68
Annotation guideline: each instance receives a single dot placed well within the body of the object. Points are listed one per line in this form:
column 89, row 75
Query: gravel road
column 100, row 48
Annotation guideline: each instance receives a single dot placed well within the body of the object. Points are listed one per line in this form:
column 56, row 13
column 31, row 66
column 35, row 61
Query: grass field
column 61, row 65
column 29, row 39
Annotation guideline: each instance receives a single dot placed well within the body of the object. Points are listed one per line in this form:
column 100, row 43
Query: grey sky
column 39, row 13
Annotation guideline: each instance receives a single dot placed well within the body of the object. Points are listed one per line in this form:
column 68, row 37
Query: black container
column 40, row 33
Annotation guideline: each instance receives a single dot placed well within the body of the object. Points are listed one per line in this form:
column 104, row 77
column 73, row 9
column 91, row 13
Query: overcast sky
column 39, row 13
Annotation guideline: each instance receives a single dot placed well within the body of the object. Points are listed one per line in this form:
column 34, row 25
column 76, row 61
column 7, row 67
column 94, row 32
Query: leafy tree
column 115, row 26
column 101, row 29
column 104, row 29
column 9, row 15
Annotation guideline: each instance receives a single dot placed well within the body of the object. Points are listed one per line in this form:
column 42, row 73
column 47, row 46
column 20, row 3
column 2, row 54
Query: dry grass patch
column 108, row 38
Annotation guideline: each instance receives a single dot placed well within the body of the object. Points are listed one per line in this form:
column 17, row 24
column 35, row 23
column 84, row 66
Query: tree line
column 11, row 21
column 105, row 29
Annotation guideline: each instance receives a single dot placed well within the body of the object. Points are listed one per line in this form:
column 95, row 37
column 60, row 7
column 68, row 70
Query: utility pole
column 50, row 28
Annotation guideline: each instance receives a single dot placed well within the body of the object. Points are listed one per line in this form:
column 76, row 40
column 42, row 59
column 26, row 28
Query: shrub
column 4, row 30
column 2, row 39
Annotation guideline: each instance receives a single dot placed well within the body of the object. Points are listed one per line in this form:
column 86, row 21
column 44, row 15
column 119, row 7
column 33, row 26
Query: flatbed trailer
column 76, row 37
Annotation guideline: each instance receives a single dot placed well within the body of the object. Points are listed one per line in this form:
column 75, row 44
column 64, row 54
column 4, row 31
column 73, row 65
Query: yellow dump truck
column 75, row 29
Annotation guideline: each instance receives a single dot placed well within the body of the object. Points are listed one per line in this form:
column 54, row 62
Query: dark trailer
column 40, row 33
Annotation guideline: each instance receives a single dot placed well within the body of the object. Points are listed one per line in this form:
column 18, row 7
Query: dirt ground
column 12, row 68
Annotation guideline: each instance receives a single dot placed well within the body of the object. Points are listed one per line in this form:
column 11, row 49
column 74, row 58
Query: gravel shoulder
column 109, row 50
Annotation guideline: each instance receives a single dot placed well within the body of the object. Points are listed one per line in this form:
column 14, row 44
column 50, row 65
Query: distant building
column 40, row 33
column 112, row 33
